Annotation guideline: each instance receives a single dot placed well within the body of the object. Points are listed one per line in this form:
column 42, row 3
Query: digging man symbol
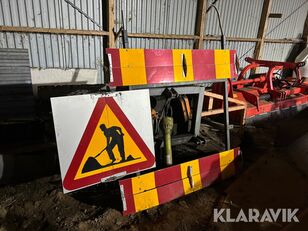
column 114, row 136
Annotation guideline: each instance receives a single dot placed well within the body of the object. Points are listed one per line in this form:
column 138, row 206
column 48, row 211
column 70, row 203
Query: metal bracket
column 190, row 177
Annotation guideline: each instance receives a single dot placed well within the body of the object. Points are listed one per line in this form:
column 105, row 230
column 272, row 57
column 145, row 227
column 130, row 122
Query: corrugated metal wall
column 289, row 26
column 15, row 84
column 14, row 67
column 240, row 18
column 54, row 51
column 158, row 17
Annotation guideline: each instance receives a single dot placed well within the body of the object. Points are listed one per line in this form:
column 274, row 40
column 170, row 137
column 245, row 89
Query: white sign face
column 102, row 137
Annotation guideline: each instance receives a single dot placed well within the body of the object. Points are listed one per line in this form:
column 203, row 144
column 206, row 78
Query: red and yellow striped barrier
column 130, row 67
column 155, row 188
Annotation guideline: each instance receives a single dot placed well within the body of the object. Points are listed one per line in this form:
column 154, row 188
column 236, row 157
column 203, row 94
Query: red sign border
column 70, row 183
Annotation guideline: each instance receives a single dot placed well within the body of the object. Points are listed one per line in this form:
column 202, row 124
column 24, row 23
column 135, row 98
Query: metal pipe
column 247, row 81
column 83, row 13
column 168, row 125
column 226, row 116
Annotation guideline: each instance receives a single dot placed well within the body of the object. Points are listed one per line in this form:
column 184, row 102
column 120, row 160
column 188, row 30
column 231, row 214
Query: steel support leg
column 226, row 115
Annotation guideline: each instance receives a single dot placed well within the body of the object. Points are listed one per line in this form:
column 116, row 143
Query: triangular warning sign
column 109, row 145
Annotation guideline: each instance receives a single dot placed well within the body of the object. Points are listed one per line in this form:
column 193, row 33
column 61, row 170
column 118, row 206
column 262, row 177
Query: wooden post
column 305, row 35
column 305, row 31
column 200, row 23
column 110, row 26
column 262, row 28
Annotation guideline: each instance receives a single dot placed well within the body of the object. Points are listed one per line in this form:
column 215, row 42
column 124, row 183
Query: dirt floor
column 270, row 179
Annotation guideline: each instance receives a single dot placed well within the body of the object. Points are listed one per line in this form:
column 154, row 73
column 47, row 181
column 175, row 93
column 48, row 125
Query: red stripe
column 209, row 169
column 170, row 192
column 236, row 153
column 232, row 63
column 167, row 175
column 237, row 164
column 159, row 66
column 128, row 195
column 116, row 66
column 203, row 64
column 169, row 184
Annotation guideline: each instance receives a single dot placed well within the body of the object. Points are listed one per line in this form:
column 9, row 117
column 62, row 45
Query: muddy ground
column 269, row 179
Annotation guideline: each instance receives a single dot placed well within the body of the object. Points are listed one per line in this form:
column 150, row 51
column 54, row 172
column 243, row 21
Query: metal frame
column 196, row 87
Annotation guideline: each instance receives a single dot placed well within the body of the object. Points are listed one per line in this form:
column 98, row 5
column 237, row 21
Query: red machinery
column 268, row 92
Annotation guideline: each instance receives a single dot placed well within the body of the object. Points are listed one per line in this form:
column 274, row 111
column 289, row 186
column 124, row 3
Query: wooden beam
column 220, row 111
column 211, row 38
column 52, row 31
column 262, row 28
column 241, row 105
column 220, row 97
column 305, row 31
column 162, row 36
column 304, row 37
column 111, row 38
column 200, row 23
column 285, row 40
column 140, row 35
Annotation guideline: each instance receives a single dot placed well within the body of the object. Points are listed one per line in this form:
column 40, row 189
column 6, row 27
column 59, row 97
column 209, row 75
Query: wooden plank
column 241, row 106
column 161, row 36
column 262, row 28
column 140, row 35
column 111, row 37
column 200, row 23
column 52, row 31
column 213, row 38
column 217, row 96
column 220, row 111
column 286, row 40
column 210, row 106
column 305, row 31
column 304, row 37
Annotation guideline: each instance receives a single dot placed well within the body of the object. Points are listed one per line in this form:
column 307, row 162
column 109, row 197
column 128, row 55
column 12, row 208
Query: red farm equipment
column 279, row 87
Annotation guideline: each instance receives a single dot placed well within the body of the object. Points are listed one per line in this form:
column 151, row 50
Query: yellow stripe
column 133, row 67
column 143, row 182
column 222, row 64
column 146, row 200
column 226, row 163
column 178, row 56
column 144, row 191
column 196, row 178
